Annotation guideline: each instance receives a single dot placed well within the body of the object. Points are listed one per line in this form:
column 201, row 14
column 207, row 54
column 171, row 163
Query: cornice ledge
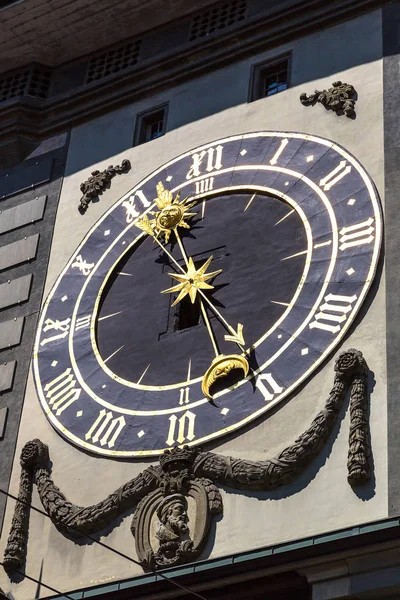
column 43, row 118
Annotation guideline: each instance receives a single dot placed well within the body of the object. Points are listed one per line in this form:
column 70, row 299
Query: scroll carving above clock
column 341, row 98
column 98, row 182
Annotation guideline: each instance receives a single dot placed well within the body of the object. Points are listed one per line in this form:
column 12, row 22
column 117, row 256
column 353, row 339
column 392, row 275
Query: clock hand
column 203, row 310
column 150, row 228
column 235, row 336
column 172, row 259
column 222, row 365
column 182, row 249
column 190, row 283
column 210, row 331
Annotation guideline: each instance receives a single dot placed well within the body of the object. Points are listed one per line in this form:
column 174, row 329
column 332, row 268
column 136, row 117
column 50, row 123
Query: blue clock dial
column 140, row 336
column 269, row 242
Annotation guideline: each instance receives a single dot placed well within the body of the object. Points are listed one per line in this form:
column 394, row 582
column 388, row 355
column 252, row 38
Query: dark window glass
column 155, row 129
column 272, row 83
column 189, row 314
column 269, row 79
column 150, row 125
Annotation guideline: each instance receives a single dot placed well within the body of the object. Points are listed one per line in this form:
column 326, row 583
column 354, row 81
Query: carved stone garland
column 97, row 183
column 162, row 494
column 340, row 98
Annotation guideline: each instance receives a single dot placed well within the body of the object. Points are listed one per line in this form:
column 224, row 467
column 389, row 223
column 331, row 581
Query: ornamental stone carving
column 98, row 182
column 179, row 537
column 174, row 501
column 340, row 98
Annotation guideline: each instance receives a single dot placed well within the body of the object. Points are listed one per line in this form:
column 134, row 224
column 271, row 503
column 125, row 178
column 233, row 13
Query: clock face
column 207, row 294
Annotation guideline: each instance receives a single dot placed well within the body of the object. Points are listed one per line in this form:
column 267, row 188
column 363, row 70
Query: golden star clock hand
column 203, row 310
column 148, row 227
column 191, row 282
column 235, row 336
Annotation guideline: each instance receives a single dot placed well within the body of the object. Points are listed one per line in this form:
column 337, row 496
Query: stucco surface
column 320, row 499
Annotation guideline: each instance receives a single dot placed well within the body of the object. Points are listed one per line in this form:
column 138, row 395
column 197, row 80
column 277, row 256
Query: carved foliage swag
column 184, row 473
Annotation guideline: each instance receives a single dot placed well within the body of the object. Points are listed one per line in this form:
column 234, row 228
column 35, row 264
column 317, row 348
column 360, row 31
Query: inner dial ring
column 268, row 192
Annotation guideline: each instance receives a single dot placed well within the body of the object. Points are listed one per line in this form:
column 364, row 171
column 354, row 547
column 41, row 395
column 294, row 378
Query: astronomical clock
column 207, row 294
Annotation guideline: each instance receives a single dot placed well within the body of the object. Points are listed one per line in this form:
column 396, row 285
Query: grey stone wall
column 213, row 106
column 29, row 196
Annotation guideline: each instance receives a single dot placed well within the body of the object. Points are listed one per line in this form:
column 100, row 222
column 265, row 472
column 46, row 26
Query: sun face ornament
column 172, row 213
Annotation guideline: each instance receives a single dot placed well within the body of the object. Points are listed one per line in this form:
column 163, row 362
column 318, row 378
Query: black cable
column 89, row 537
column 37, row 581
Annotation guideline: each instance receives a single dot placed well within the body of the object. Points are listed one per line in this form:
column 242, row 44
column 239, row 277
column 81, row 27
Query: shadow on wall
column 327, row 55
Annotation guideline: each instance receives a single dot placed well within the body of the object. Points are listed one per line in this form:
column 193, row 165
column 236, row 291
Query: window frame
column 146, row 115
column 257, row 71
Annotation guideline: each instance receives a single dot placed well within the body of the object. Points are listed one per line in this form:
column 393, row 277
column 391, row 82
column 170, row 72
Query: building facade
column 233, row 441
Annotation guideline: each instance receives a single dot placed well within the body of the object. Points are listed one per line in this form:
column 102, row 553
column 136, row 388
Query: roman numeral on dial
column 333, row 312
column 277, row 154
column 61, row 391
column 267, row 385
column 82, row 322
column 204, row 185
column 61, row 326
column 356, row 235
column 182, row 428
column 105, row 429
column 334, row 176
column 184, row 396
column 207, row 160
column 130, row 205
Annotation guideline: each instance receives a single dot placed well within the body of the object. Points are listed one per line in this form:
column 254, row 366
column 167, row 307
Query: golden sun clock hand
column 172, row 214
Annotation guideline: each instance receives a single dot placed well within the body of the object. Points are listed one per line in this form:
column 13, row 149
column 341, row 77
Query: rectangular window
column 268, row 79
column 151, row 124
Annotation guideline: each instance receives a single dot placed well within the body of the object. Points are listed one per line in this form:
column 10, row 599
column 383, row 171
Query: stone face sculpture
column 188, row 475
